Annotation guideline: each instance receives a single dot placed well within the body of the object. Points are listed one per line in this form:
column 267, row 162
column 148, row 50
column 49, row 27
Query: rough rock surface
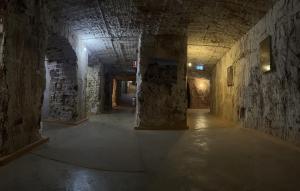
column 22, row 73
column 63, row 92
column 213, row 26
column 68, row 60
column 161, row 82
column 99, row 88
column 267, row 102
column 93, row 89
column 3, row 89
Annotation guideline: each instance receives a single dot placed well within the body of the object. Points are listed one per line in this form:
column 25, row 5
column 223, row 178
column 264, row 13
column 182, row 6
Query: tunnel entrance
column 199, row 86
column 198, row 93
column 124, row 93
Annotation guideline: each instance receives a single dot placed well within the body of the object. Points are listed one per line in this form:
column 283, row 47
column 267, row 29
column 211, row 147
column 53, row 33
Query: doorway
column 128, row 93
column 198, row 93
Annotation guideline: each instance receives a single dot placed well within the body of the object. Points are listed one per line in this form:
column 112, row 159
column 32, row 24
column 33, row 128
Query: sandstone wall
column 82, row 64
column 161, row 82
column 3, row 90
column 106, row 88
column 22, row 73
column 63, row 91
column 68, row 62
column 99, row 88
column 93, row 89
column 267, row 102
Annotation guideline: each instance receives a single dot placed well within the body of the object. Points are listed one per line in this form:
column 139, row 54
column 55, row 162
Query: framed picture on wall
column 230, row 76
column 265, row 53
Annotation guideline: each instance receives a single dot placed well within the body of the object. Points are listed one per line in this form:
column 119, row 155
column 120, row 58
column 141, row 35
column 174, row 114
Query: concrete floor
column 105, row 153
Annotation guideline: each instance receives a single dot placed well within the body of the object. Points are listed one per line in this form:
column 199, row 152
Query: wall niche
column 230, row 76
column 265, row 53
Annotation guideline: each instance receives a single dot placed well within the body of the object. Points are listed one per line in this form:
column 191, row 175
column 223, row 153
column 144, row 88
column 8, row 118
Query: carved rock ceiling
column 111, row 28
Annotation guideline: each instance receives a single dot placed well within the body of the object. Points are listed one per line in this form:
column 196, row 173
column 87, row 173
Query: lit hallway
column 111, row 156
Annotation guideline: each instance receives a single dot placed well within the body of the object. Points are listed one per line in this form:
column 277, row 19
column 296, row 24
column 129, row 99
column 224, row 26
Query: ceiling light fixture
column 200, row 67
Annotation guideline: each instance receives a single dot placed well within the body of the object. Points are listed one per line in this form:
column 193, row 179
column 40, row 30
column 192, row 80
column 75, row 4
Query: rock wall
column 106, row 88
column 22, row 73
column 114, row 93
column 93, row 89
column 161, row 82
column 269, row 102
column 82, row 65
column 3, row 89
column 68, row 62
column 63, row 91
column 99, row 88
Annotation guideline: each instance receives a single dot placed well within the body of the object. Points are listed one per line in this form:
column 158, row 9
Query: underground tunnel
column 172, row 95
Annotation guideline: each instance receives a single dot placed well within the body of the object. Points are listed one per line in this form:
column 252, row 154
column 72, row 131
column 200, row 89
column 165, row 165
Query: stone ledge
column 6, row 159
column 66, row 122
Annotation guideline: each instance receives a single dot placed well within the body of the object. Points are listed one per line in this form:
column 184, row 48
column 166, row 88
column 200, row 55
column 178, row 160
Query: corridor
column 149, row 95
column 107, row 154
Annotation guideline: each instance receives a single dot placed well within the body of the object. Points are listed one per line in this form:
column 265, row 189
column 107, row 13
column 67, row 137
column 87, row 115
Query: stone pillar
column 22, row 73
column 105, row 89
column 93, row 89
column 119, row 91
column 101, row 88
column 161, row 82
column 125, row 87
column 64, row 91
column 114, row 93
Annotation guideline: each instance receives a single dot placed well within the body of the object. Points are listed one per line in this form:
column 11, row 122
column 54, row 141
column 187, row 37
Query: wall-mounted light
column 190, row 64
column 266, row 68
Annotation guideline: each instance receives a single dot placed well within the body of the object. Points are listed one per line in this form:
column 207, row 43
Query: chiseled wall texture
column 93, row 89
column 266, row 102
column 82, row 65
column 162, row 88
column 22, row 73
column 68, row 60
column 63, row 91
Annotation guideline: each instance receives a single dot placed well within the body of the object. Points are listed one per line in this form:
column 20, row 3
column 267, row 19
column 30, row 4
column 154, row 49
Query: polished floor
column 106, row 154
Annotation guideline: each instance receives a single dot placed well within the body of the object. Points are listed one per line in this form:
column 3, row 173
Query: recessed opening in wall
column 266, row 62
column 242, row 113
column 230, row 76
column 198, row 93
column 127, row 93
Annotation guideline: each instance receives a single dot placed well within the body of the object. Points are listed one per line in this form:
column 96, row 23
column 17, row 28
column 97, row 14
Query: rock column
column 161, row 82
